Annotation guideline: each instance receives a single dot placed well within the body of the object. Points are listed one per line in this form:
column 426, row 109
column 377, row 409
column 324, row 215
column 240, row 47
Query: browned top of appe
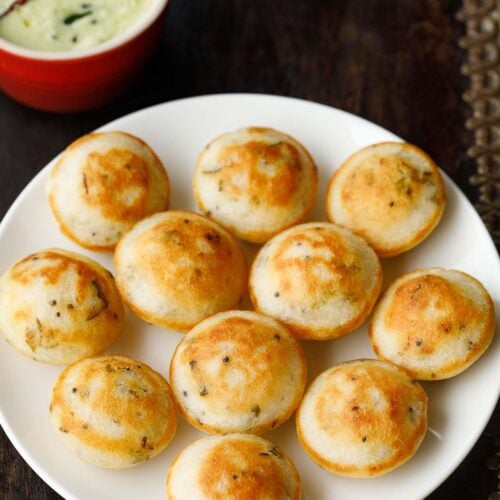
column 319, row 279
column 390, row 193
column 233, row 466
column 113, row 411
column 58, row 306
column 362, row 418
column 433, row 322
column 104, row 183
column 176, row 268
column 255, row 181
column 238, row 371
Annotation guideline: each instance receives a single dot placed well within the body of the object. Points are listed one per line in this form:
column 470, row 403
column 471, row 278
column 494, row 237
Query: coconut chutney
column 68, row 25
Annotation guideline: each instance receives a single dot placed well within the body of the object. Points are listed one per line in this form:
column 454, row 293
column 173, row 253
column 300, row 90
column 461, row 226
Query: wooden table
column 394, row 62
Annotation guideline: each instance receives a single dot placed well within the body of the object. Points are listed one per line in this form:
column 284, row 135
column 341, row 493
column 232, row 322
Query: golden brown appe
column 433, row 322
column 176, row 268
column 256, row 182
column 113, row 411
column 104, row 183
column 318, row 279
column 58, row 306
column 238, row 371
column 362, row 418
column 390, row 193
column 233, row 467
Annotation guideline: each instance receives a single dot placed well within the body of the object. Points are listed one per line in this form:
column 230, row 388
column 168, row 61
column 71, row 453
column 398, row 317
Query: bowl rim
column 139, row 26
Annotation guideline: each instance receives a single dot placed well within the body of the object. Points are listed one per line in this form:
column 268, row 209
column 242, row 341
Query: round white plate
column 458, row 408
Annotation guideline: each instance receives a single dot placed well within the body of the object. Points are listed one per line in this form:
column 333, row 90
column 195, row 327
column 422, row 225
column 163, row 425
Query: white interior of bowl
column 142, row 23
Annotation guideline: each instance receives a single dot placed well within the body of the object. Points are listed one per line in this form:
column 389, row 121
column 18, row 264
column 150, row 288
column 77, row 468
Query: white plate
column 458, row 408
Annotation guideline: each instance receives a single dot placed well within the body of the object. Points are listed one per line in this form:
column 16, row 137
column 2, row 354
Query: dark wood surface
column 394, row 62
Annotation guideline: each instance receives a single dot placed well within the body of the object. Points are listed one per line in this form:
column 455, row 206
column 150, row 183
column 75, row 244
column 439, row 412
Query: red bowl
column 77, row 81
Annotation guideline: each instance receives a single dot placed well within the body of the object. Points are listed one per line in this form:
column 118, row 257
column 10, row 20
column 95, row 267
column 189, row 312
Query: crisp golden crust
column 112, row 411
column 392, row 194
column 319, row 279
column 176, row 268
column 58, row 306
column 233, row 467
column 238, row 371
column 104, row 183
column 256, row 182
column 433, row 322
column 362, row 418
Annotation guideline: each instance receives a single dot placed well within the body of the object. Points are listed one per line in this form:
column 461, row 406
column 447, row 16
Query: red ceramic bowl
column 77, row 81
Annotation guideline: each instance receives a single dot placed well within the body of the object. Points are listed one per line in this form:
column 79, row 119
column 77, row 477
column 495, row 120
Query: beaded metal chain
column 482, row 65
